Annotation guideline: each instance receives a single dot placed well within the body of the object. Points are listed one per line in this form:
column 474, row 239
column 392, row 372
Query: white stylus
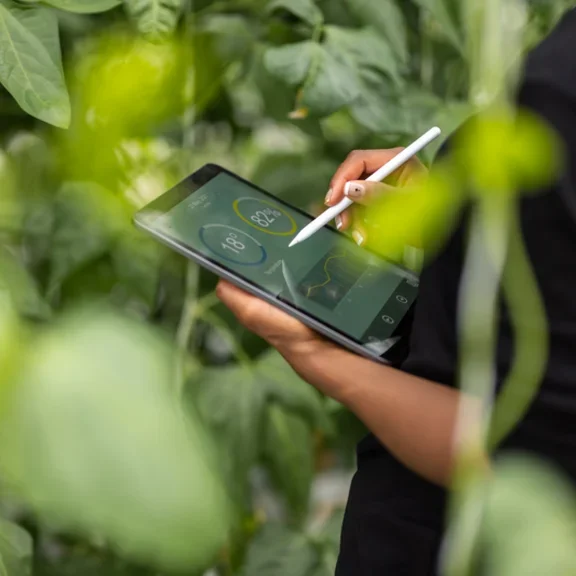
column 388, row 168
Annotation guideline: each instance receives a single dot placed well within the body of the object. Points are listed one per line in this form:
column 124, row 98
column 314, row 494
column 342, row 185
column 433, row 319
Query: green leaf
column 363, row 48
column 422, row 214
column 95, row 441
column 136, row 262
column 305, row 10
column 84, row 6
column 378, row 108
column 290, row 63
column 235, row 38
column 326, row 83
column 329, row 540
column 330, row 85
column 154, row 18
column 443, row 14
column 284, row 386
column 16, row 549
column 86, row 224
column 449, row 117
column 530, row 523
column 291, row 176
column 278, row 551
column 387, row 17
column 43, row 23
column 22, row 286
column 231, row 401
column 30, row 67
column 289, row 452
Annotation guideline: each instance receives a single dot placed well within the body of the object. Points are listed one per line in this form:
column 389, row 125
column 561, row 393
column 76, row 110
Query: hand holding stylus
column 368, row 166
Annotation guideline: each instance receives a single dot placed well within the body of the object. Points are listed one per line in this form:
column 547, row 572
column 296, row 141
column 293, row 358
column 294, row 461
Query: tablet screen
column 328, row 277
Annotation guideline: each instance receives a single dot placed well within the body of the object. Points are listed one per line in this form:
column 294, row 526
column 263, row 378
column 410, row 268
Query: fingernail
column 353, row 190
column 328, row 196
column 358, row 238
column 339, row 222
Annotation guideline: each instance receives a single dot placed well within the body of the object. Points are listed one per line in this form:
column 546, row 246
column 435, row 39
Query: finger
column 364, row 192
column 359, row 234
column 343, row 221
column 257, row 315
column 358, row 165
column 233, row 297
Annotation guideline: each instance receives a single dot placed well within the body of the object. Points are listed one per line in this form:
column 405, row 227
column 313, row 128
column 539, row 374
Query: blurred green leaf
column 154, row 18
column 231, row 401
column 422, row 214
column 234, row 36
column 16, row 549
column 329, row 85
column 387, row 17
column 30, row 68
column 284, row 386
column 326, row 83
column 305, row 9
column 277, row 101
column 378, row 107
column 278, row 551
column 10, row 346
column 530, row 524
column 289, row 453
column 505, row 153
column 22, row 286
column 364, row 48
column 331, row 531
column 442, row 11
column 137, row 262
column 449, row 117
column 300, row 179
column 87, row 221
column 84, row 6
column 329, row 543
column 290, row 63
column 94, row 440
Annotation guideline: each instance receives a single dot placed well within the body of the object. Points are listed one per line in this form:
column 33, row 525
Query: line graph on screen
column 332, row 278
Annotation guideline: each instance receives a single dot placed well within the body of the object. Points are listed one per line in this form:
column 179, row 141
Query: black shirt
column 394, row 519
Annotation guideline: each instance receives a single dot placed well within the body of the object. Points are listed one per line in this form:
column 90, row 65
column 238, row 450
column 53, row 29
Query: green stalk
column 186, row 326
column 528, row 318
column 478, row 307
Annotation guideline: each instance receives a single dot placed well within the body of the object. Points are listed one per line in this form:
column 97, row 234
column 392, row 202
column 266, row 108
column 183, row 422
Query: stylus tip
column 293, row 243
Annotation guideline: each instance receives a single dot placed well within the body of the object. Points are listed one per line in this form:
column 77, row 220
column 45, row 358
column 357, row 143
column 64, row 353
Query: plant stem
column 186, row 325
column 528, row 318
column 485, row 260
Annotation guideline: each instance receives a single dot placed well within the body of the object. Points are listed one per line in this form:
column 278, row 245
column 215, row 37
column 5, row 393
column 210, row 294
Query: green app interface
column 327, row 276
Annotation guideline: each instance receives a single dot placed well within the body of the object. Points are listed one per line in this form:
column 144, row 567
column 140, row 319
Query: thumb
column 364, row 191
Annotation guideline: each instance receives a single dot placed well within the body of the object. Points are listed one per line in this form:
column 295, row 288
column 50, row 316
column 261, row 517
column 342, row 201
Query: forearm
column 413, row 417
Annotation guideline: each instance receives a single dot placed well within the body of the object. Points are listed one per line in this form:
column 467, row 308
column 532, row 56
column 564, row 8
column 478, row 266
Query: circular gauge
column 232, row 244
column 266, row 216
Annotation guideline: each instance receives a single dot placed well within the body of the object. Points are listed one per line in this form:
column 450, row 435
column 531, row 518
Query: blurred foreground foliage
column 140, row 428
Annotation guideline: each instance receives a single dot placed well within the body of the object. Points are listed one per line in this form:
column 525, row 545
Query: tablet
column 241, row 233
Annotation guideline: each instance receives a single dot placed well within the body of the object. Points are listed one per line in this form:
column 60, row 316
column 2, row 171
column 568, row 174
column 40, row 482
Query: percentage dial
column 232, row 245
column 265, row 216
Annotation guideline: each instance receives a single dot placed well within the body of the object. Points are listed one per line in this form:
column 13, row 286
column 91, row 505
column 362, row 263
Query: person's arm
column 414, row 418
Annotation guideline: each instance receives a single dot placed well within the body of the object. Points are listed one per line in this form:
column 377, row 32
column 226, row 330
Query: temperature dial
column 232, row 245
